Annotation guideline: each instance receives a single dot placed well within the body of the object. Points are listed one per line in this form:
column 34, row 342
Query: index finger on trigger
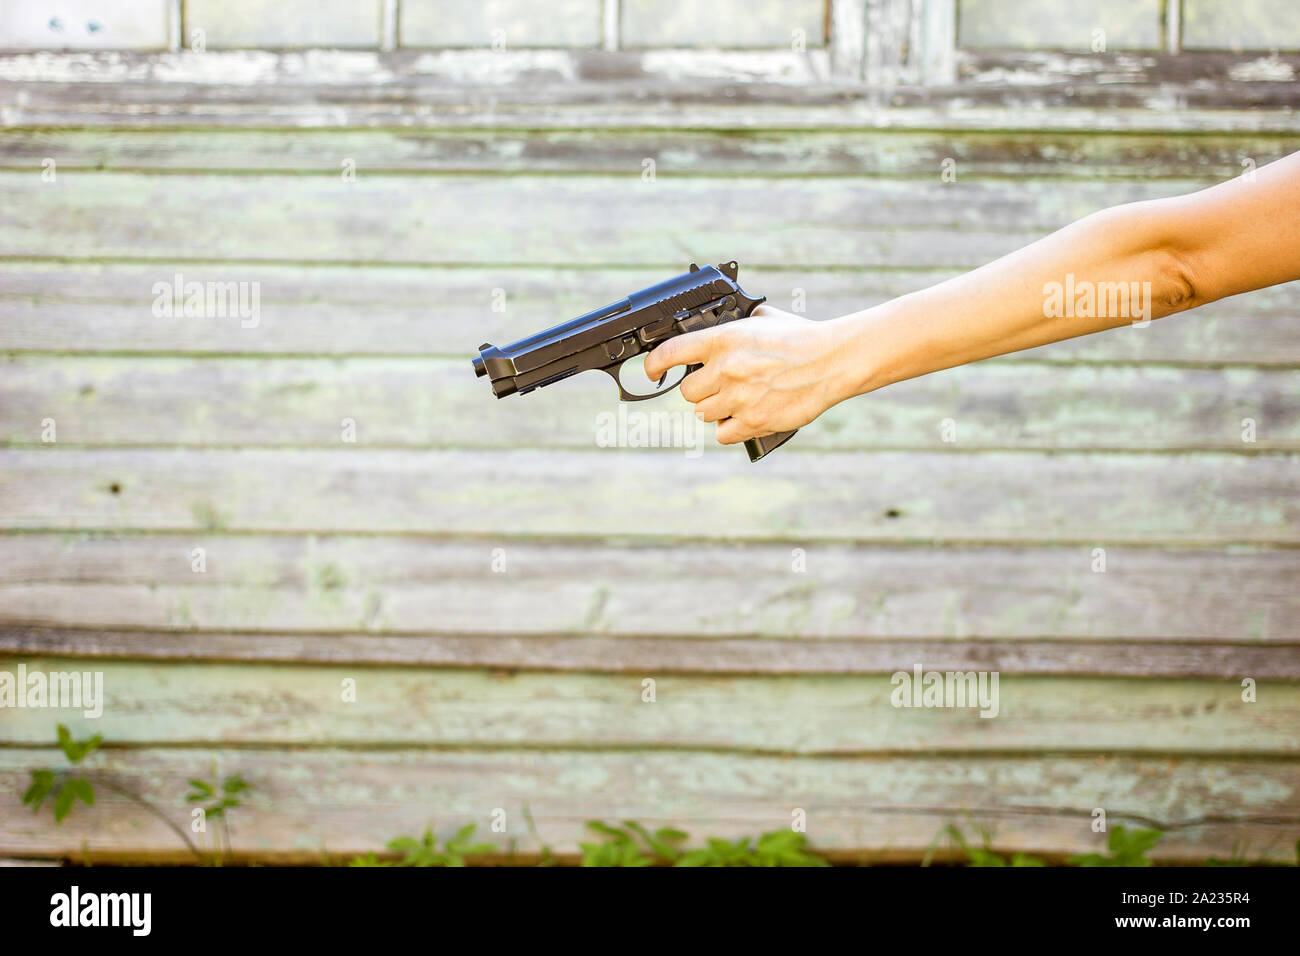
column 689, row 349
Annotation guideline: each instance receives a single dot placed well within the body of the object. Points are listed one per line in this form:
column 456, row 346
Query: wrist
column 859, row 353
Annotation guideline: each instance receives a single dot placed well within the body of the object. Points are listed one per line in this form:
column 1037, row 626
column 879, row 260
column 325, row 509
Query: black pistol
column 608, row 337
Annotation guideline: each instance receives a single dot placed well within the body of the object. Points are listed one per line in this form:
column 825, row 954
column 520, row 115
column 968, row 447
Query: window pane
column 1060, row 24
column 738, row 24
column 506, row 23
column 283, row 23
column 83, row 25
column 1241, row 24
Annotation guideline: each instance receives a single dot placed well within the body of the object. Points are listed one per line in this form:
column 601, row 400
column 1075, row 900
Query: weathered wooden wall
column 498, row 585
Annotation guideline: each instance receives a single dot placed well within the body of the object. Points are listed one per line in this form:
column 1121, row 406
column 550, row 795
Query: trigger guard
column 626, row 396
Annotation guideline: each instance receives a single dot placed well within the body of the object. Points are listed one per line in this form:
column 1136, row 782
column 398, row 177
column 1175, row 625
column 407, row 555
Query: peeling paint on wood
column 437, row 403
column 660, row 654
column 1208, row 158
column 418, row 585
column 150, row 704
column 853, row 222
column 1218, row 92
column 801, row 496
column 91, row 307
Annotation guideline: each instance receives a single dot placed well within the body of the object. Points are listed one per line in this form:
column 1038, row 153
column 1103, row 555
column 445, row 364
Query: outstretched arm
column 779, row 371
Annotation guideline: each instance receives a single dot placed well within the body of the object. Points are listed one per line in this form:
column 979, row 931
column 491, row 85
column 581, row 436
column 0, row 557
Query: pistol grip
column 758, row 447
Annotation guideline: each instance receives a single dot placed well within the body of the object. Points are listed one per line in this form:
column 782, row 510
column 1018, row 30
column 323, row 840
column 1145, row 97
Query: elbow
column 1179, row 284
column 1155, row 246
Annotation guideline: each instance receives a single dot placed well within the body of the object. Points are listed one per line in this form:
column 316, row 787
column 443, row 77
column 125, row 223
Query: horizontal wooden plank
column 202, row 105
column 150, row 703
column 309, row 803
column 544, row 219
column 662, row 655
column 423, row 403
column 414, row 585
column 1219, row 74
column 677, row 152
column 91, row 307
column 782, row 89
column 1093, row 499
column 268, row 75
column 422, row 78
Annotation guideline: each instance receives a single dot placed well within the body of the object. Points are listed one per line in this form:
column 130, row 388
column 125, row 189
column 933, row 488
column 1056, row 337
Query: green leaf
column 618, row 849
column 63, row 803
column 660, row 842
column 1127, row 849
column 85, row 747
column 65, row 741
column 463, row 834
column 779, row 841
column 76, row 750
column 81, row 787
column 202, row 790
column 1143, row 840
column 42, row 784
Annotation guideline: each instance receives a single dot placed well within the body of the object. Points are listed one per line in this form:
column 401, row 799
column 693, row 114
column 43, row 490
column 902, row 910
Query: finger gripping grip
column 758, row 447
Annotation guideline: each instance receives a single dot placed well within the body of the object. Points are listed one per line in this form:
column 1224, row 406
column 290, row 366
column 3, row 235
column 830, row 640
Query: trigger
column 662, row 378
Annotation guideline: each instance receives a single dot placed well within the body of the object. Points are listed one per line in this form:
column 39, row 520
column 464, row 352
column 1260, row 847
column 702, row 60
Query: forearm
column 1044, row 292
column 1126, row 264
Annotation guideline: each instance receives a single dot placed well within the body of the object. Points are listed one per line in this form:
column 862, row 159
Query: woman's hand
column 767, row 373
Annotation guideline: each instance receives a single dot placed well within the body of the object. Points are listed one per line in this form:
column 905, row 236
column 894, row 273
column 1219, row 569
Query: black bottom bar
column 942, row 906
